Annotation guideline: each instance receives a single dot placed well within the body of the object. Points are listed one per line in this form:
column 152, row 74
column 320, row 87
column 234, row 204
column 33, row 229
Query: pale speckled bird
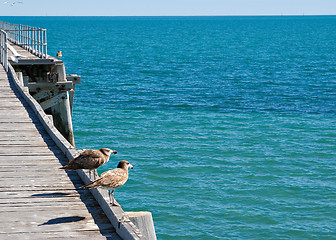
column 112, row 179
column 90, row 159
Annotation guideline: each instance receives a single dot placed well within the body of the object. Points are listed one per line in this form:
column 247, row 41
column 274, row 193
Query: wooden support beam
column 71, row 99
column 53, row 101
column 43, row 94
column 74, row 78
column 59, row 86
column 38, row 61
column 25, row 81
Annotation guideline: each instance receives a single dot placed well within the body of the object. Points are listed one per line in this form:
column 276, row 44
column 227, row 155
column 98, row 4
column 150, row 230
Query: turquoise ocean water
column 228, row 121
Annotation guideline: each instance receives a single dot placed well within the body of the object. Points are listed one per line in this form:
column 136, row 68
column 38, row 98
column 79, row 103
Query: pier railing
column 32, row 39
column 3, row 49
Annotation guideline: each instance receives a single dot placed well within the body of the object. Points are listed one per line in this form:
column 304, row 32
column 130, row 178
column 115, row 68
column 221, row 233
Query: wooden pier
column 37, row 199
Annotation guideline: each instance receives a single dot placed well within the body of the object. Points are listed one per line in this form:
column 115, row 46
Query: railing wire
column 32, row 39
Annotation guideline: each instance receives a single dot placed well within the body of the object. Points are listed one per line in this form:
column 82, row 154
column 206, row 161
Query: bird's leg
column 90, row 174
column 112, row 202
column 110, row 194
column 95, row 174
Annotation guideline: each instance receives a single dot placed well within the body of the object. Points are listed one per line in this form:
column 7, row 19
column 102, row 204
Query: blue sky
column 167, row 7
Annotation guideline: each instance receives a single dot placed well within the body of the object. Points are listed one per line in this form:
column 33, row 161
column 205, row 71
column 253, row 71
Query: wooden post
column 144, row 222
column 62, row 111
column 71, row 99
column 75, row 79
column 25, row 81
column 20, row 77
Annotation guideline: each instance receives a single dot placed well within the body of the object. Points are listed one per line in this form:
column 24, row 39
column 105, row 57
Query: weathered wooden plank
column 39, row 223
column 39, row 148
column 4, row 138
column 22, row 144
column 66, row 192
column 27, row 171
column 17, row 126
column 72, row 208
column 16, row 121
column 27, row 159
column 37, row 227
column 44, row 203
column 33, row 161
column 30, row 199
column 16, row 134
column 60, row 186
column 30, row 174
column 33, row 164
column 10, row 102
column 26, row 153
column 7, row 95
column 57, row 235
column 36, row 197
column 46, row 165
column 15, row 109
column 14, row 114
column 29, row 149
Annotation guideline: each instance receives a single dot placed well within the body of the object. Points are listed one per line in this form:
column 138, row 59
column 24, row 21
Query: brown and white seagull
column 90, row 159
column 112, row 179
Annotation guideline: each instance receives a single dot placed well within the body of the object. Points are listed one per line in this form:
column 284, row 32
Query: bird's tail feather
column 88, row 186
column 67, row 167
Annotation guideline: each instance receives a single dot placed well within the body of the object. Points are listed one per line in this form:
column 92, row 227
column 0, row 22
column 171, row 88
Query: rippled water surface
column 228, row 121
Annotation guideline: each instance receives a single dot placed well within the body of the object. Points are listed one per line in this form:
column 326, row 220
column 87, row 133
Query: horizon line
column 233, row 15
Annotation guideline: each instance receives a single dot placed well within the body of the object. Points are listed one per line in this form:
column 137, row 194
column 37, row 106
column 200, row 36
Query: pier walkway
column 37, row 199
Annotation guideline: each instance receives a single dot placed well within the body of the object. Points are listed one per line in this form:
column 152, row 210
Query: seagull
column 90, row 159
column 112, row 179
column 13, row 3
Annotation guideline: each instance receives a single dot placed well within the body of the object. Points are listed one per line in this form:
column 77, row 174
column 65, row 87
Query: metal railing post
column 45, row 43
column 3, row 46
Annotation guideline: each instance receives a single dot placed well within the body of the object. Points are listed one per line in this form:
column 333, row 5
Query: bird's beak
column 114, row 152
column 130, row 166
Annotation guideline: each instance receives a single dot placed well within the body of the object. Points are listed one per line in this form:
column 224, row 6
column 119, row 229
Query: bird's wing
column 91, row 153
column 111, row 179
column 88, row 159
column 116, row 177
